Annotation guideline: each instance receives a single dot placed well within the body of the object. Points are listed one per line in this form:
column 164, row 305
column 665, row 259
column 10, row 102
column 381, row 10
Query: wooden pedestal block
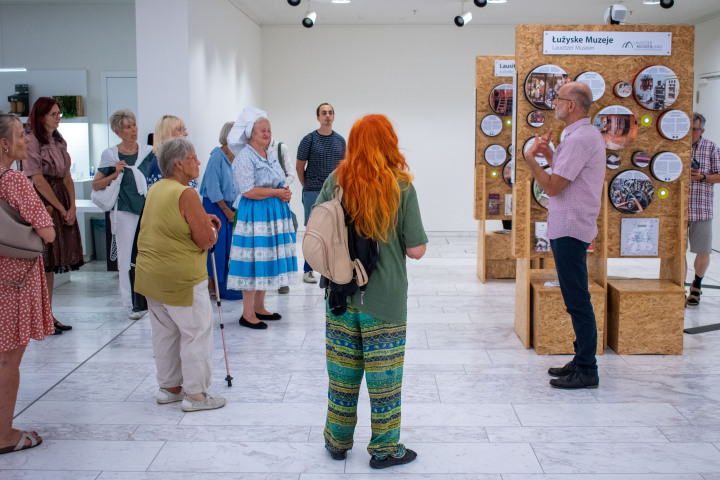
column 500, row 262
column 552, row 331
column 645, row 316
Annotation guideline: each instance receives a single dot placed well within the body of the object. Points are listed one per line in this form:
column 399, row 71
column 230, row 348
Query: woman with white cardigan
column 133, row 161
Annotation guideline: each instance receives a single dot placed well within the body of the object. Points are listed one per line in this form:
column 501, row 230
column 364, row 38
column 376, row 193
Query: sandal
column 694, row 298
column 34, row 438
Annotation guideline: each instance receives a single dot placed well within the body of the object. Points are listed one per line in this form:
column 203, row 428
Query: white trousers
column 124, row 236
column 182, row 342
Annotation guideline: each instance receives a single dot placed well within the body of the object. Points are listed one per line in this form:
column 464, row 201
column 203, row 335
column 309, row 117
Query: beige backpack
column 325, row 244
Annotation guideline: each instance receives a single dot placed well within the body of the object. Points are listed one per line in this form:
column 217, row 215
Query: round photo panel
column 501, row 99
column 491, row 125
column 666, row 166
column 617, row 125
column 613, row 161
column 542, row 85
column 641, row 159
column 536, row 118
column 631, row 191
column 539, row 158
column 509, row 173
column 674, row 124
column 538, row 193
column 622, row 89
column 510, row 150
column 495, row 155
column 656, row 87
column 595, row 81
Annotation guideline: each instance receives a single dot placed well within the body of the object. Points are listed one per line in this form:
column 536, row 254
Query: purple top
column 51, row 159
column 580, row 158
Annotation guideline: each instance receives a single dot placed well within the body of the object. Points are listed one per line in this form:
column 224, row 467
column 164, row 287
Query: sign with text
column 607, row 43
column 504, row 68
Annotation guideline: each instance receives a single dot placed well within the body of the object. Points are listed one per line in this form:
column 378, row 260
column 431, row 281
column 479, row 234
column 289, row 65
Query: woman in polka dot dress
column 25, row 310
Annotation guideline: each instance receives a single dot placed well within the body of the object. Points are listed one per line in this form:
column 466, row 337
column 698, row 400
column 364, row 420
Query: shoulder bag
column 18, row 239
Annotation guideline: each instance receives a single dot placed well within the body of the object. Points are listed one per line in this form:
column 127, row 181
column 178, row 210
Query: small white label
column 504, row 68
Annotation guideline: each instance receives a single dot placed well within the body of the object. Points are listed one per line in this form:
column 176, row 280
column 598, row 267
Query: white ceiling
column 442, row 12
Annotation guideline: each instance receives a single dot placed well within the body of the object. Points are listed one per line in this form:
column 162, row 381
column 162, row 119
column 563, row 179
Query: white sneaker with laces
column 133, row 315
column 308, row 277
column 210, row 403
column 164, row 397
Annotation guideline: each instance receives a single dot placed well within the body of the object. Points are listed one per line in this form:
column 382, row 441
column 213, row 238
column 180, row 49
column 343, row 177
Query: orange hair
column 370, row 176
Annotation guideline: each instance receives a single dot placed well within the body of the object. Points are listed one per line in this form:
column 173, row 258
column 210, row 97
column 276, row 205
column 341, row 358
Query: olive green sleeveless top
column 169, row 264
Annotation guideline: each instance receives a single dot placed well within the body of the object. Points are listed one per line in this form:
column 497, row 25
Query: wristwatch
column 704, row 178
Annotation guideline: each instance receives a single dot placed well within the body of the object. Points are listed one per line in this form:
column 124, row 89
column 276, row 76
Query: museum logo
column 628, row 45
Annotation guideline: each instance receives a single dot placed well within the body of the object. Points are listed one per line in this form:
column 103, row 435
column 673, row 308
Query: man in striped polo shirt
column 318, row 154
column 575, row 188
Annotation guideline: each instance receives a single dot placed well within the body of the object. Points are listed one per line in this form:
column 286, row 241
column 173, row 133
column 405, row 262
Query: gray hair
column 172, row 149
column 7, row 123
column 224, row 131
column 121, row 118
column 699, row 118
column 257, row 121
column 583, row 97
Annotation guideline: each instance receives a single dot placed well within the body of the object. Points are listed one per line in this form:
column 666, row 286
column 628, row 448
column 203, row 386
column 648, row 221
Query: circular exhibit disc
column 656, row 87
column 631, row 191
column 622, row 89
column 495, row 155
column 595, row 81
column 536, row 118
column 641, row 159
column 674, row 124
column 542, row 85
column 509, row 173
column 617, row 125
column 666, row 166
column 491, row 125
column 613, row 161
column 539, row 194
column 501, row 99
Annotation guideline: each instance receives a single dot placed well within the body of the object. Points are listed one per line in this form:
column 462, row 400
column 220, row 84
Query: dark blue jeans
column 308, row 199
column 571, row 264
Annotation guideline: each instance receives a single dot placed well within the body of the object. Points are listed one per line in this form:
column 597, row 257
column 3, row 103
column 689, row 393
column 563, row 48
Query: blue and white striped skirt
column 262, row 256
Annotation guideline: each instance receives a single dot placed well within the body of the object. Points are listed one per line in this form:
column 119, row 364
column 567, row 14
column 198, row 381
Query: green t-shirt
column 386, row 294
column 129, row 200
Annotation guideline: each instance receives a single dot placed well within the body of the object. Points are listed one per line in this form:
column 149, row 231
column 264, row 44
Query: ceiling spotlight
column 309, row 20
column 294, row 3
column 667, row 3
column 480, row 3
column 461, row 20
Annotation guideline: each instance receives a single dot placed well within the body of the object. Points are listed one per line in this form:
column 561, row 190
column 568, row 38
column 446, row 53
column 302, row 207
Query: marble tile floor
column 477, row 405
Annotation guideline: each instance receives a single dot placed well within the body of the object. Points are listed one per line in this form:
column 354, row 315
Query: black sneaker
column 338, row 455
column 562, row 371
column 576, row 380
column 391, row 461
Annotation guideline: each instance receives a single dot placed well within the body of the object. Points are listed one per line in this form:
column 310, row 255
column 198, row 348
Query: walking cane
column 228, row 379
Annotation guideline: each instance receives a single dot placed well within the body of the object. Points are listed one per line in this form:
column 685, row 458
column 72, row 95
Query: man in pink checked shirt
column 575, row 188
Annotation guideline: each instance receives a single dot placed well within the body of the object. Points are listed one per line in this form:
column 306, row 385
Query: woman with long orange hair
column 369, row 337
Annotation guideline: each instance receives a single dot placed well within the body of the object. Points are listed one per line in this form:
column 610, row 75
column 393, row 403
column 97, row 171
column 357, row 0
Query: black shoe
column 256, row 326
column 64, row 328
column 272, row 316
column 562, row 371
column 391, row 461
column 338, row 455
column 576, row 380
column 57, row 331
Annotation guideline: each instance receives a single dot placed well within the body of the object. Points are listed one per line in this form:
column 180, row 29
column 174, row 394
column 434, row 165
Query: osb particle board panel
column 529, row 54
column 485, row 183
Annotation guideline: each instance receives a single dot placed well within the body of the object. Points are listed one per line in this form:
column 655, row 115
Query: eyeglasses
column 555, row 100
column 697, row 129
column 56, row 114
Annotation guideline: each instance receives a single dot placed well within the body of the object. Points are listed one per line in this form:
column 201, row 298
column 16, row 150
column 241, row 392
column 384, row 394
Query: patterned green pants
column 356, row 343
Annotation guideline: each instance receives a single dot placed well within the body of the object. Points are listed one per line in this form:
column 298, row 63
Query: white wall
column 92, row 37
column 421, row 77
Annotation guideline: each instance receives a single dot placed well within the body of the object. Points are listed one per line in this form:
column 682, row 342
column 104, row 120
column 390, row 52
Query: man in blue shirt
column 319, row 153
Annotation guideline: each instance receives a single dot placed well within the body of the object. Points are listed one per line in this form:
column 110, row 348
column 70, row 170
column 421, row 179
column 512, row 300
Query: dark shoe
column 694, row 298
column 562, row 371
column 256, row 326
column 284, row 289
column 576, row 380
column 57, row 331
column 64, row 328
column 272, row 316
column 391, row 461
column 338, row 455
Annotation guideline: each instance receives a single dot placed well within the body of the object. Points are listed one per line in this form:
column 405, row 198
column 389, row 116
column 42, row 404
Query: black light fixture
column 309, row 20
column 461, row 20
column 294, row 3
column 667, row 3
column 478, row 3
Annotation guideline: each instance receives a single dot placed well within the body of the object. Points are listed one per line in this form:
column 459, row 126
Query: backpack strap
column 280, row 159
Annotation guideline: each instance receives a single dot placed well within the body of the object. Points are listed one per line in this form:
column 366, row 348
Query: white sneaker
column 133, row 315
column 210, row 403
column 163, row 396
column 308, row 277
